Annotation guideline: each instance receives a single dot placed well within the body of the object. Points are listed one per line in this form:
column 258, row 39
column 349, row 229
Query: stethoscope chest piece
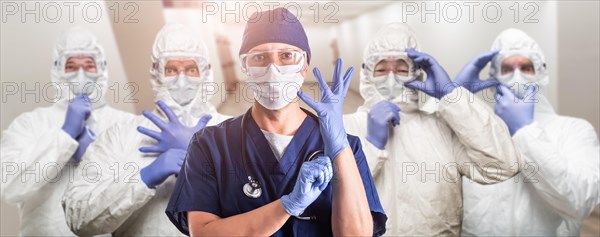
column 252, row 188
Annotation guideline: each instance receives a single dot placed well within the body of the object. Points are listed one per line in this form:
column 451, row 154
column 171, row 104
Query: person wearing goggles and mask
column 558, row 187
column 59, row 135
column 418, row 156
column 270, row 171
column 149, row 150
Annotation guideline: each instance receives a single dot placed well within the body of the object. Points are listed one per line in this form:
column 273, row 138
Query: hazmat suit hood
column 516, row 40
column 178, row 41
column 77, row 41
column 392, row 38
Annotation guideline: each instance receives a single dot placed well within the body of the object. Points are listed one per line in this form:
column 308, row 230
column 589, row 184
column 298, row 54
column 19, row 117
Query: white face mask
column 277, row 87
column 519, row 82
column 82, row 82
column 182, row 88
column 390, row 85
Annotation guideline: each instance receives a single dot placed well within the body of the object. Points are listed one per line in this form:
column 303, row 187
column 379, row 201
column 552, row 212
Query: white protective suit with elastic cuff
column 122, row 204
column 36, row 153
column 419, row 173
column 560, row 182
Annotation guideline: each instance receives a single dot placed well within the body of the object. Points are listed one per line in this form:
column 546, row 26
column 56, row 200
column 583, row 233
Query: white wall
column 579, row 60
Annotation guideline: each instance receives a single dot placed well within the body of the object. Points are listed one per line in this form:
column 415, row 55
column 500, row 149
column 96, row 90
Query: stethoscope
column 253, row 189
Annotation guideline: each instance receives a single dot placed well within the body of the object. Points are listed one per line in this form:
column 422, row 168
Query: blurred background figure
column 446, row 29
column 397, row 133
column 136, row 205
column 57, row 136
column 559, row 183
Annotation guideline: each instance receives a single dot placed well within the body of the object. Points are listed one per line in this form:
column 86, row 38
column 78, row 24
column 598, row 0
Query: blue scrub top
column 212, row 177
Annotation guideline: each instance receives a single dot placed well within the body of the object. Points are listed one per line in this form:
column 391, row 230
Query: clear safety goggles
column 167, row 74
column 81, row 72
column 378, row 65
column 532, row 69
column 67, row 70
column 285, row 60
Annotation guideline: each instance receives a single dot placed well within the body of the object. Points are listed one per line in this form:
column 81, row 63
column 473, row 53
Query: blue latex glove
column 166, row 164
column 329, row 109
column 173, row 134
column 469, row 75
column 515, row 112
column 313, row 178
column 438, row 83
column 78, row 112
column 379, row 119
column 84, row 140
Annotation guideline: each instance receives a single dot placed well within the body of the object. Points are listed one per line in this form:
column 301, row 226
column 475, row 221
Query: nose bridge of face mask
column 181, row 78
column 80, row 73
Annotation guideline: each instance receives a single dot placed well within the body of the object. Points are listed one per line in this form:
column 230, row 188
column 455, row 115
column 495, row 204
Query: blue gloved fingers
column 309, row 101
column 347, row 80
column 412, row 53
column 395, row 113
column 168, row 112
column 393, row 106
column 179, row 159
column 155, row 119
column 395, row 119
column 514, row 112
column 468, row 76
column 530, row 91
column 336, row 83
column 88, row 105
column 322, row 167
column 306, row 178
column 152, row 149
column 341, row 81
column 329, row 169
column 498, row 95
column 149, row 132
column 427, row 86
column 498, row 108
column 326, row 162
column 92, row 134
column 531, row 88
column 87, row 99
column 85, row 139
column 506, row 93
column 203, row 122
column 415, row 85
column 484, row 84
column 322, row 83
column 421, row 62
column 322, row 160
column 483, row 59
column 320, row 177
column 421, row 59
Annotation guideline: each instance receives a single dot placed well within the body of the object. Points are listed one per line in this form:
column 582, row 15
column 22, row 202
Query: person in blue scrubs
column 278, row 170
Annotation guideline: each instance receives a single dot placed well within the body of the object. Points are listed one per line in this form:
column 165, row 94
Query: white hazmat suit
column 559, row 183
column 419, row 172
column 123, row 204
column 36, row 153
